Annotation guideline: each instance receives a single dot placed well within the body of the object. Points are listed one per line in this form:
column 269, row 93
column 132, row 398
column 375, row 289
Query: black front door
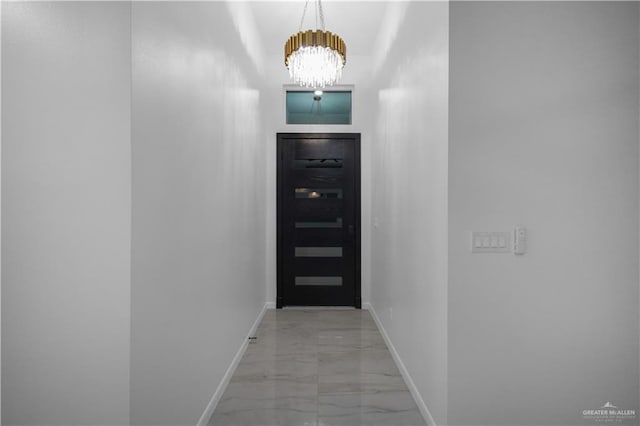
column 318, row 219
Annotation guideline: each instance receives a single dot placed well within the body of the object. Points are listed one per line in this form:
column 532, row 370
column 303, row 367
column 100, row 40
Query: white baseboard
column 403, row 370
column 217, row 395
column 270, row 305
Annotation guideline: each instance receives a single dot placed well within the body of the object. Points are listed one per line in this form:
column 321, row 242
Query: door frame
column 280, row 291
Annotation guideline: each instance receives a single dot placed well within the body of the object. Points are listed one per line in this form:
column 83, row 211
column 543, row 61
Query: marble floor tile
column 271, row 409
column 349, row 339
column 284, row 344
column 358, row 371
column 317, row 367
column 395, row 408
column 259, row 368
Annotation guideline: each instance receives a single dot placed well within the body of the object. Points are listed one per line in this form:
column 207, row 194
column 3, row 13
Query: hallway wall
column 66, row 212
column 409, row 204
column 198, row 206
column 543, row 133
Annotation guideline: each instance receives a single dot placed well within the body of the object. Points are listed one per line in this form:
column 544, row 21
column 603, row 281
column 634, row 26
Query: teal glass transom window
column 315, row 107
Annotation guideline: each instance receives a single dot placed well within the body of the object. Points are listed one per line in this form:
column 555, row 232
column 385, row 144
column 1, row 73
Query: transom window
column 318, row 107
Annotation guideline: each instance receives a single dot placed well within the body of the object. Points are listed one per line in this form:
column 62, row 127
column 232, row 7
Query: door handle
column 350, row 234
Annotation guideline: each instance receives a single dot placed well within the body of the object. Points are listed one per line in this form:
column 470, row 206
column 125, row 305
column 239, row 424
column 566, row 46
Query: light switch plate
column 491, row 242
column 520, row 240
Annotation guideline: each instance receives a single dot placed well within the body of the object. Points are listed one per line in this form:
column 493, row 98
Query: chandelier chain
column 304, row 12
column 319, row 13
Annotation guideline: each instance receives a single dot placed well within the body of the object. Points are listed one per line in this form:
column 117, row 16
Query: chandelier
column 315, row 58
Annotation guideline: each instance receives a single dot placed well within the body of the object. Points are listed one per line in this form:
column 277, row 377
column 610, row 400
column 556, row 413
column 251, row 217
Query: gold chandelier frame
column 312, row 38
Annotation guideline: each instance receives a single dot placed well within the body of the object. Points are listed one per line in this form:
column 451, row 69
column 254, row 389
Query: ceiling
column 357, row 22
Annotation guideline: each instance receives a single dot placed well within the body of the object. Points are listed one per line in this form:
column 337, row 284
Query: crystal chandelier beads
column 315, row 58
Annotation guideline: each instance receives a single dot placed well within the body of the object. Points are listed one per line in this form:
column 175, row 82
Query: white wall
column 66, row 213
column 543, row 133
column 198, row 205
column 409, row 208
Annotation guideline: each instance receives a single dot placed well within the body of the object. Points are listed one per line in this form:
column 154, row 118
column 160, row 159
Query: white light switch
column 490, row 242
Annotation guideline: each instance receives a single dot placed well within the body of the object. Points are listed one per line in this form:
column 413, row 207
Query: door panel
column 318, row 219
